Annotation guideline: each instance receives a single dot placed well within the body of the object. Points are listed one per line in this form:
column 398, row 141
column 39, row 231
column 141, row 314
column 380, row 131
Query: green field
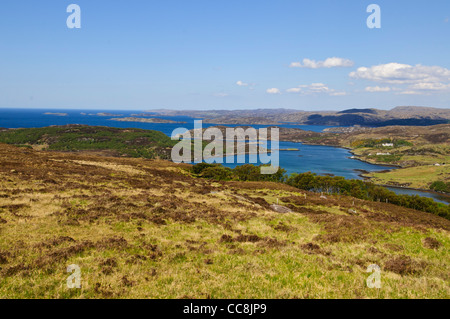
column 414, row 177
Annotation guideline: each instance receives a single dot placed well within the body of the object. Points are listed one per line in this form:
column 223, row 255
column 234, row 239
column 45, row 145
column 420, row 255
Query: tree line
column 333, row 185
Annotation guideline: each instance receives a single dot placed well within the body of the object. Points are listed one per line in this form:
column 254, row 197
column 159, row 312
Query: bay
column 309, row 158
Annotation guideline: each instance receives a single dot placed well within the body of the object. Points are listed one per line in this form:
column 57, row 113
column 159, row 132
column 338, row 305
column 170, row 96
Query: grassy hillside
column 128, row 142
column 150, row 229
column 416, row 177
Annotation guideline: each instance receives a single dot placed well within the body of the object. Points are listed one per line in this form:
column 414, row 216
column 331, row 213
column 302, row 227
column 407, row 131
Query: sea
column 322, row 160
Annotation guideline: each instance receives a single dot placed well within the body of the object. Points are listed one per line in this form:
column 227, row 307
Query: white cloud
column 221, row 94
column 315, row 88
column 294, row 90
column 295, row 65
column 430, row 86
column 377, row 89
column 328, row 63
column 338, row 93
column 240, row 83
column 418, row 79
column 273, row 91
column 410, row 92
column 396, row 73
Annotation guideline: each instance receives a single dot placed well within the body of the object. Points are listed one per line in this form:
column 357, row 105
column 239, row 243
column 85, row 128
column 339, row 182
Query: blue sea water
column 26, row 118
column 309, row 158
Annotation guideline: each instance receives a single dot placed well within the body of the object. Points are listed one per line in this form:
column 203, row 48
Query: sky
column 224, row 54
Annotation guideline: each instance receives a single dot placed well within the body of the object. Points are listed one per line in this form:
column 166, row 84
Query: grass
column 148, row 229
column 414, row 177
column 417, row 162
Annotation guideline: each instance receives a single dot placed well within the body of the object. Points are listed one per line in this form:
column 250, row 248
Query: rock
column 280, row 209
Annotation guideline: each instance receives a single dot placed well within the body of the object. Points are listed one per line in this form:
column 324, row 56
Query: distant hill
column 110, row 141
column 370, row 111
column 402, row 115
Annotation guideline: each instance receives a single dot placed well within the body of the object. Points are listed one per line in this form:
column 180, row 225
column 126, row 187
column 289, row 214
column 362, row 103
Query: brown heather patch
column 393, row 247
column 344, row 203
column 403, row 265
column 226, row 239
column 311, row 248
column 358, row 228
column 373, row 250
column 54, row 242
column 342, row 228
column 261, row 185
column 127, row 282
column 56, row 256
column 261, row 241
column 104, row 290
column 110, row 262
column 14, row 208
column 240, row 238
column 53, row 257
column 4, row 257
column 283, row 227
column 112, row 242
column 431, row 243
column 208, row 261
column 13, row 270
column 247, row 238
column 270, row 242
column 405, row 217
column 258, row 201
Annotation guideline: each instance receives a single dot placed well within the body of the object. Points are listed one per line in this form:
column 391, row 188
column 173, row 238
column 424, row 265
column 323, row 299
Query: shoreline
column 368, row 178
column 446, row 196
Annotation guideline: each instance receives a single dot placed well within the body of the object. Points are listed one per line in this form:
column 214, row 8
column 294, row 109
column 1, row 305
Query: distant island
column 56, row 114
column 149, row 120
column 101, row 114
column 106, row 114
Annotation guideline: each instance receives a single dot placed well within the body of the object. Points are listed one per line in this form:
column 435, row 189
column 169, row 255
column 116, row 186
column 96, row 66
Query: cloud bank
column 273, row 91
column 315, row 88
column 328, row 63
column 418, row 79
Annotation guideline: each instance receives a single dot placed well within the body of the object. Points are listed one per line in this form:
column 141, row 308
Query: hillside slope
column 149, row 229
column 109, row 140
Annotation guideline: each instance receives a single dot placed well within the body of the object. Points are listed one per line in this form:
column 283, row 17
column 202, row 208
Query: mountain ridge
column 400, row 115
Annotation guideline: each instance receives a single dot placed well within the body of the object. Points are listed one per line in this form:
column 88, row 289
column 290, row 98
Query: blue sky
column 217, row 54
